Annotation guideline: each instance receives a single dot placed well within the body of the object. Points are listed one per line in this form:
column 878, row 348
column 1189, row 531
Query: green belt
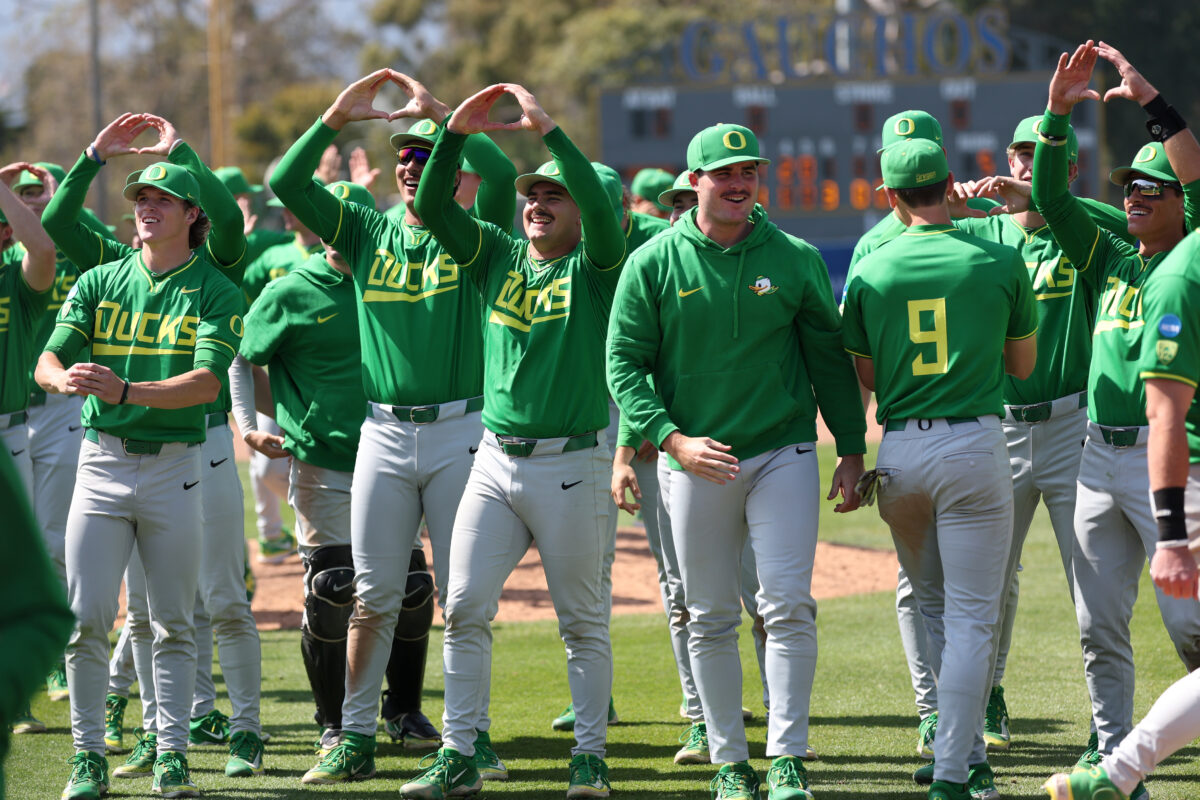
column 16, row 418
column 423, row 415
column 217, row 419
column 523, row 448
column 900, row 424
column 1119, row 437
column 133, row 447
column 1040, row 412
column 37, row 399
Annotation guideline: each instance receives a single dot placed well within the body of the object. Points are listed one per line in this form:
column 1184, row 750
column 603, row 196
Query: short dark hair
column 198, row 232
column 923, row 196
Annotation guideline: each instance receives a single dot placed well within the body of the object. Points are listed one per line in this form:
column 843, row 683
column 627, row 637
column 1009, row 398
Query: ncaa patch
column 1166, row 351
column 1170, row 326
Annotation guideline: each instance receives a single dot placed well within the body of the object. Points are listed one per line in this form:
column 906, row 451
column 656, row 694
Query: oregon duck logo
column 549, row 168
column 425, row 127
column 1147, row 153
column 1166, row 351
column 341, row 191
column 763, row 286
column 155, row 172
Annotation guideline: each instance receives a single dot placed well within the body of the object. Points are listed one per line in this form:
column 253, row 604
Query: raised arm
column 37, row 265
column 497, row 199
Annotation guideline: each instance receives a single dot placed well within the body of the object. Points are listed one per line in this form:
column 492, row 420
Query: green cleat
column 450, row 775
column 487, row 763
column 589, row 777
column 171, row 776
column 736, row 781
column 245, row 755
column 942, row 790
column 788, row 780
column 141, row 761
column 26, row 722
column 926, row 732
column 277, row 550
column 566, row 720
column 210, row 730
column 1091, row 754
column 995, row 722
column 56, row 683
column 114, row 723
column 695, row 745
column 352, row 759
column 981, row 782
column 89, row 777
column 1092, row 784
column 924, row 774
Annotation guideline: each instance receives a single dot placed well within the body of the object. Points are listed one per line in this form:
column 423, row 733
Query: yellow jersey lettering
column 126, row 325
column 168, row 331
column 106, row 320
column 1129, row 303
column 187, row 330
column 447, row 269
column 5, row 311
column 379, row 267
column 141, row 335
column 561, row 289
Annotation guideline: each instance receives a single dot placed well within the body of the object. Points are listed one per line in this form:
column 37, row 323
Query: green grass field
column 863, row 718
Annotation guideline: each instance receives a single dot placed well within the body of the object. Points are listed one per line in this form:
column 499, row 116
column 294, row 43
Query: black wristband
column 1164, row 120
column 1170, row 514
column 124, row 394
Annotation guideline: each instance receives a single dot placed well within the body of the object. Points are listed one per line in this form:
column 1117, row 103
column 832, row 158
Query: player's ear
column 1072, row 171
column 191, row 213
column 892, row 198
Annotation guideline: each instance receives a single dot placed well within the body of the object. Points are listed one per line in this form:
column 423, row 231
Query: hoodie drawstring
column 737, row 291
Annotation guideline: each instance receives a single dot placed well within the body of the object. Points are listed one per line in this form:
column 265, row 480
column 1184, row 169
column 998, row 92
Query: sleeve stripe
column 1019, row 338
column 478, row 246
column 74, row 328
column 1092, row 252
column 1166, row 376
column 338, row 229
column 859, row 355
column 217, row 341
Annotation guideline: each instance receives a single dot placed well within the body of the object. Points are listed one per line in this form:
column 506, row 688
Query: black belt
column 134, row 447
column 16, row 418
column 217, row 419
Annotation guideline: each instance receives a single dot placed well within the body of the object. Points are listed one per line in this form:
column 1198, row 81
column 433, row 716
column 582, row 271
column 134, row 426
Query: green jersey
column 148, row 326
column 1171, row 310
column 21, row 309
column 933, row 311
column 275, row 262
column 545, row 320
column 259, row 241
column 743, row 344
column 641, row 228
column 1113, row 269
column 420, row 324
column 304, row 328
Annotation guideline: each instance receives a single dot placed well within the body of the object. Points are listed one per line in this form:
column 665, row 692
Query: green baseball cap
column 913, row 163
column 1150, row 161
column 170, row 178
column 352, row 193
column 275, row 202
column 650, row 183
column 235, row 181
column 911, row 124
column 682, row 183
column 422, row 133
column 3, row 219
column 1027, row 133
column 723, row 144
column 29, row 179
column 546, row 172
column 611, row 181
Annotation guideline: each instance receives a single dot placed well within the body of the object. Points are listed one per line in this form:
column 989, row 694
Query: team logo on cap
column 1147, row 153
column 1166, row 351
column 154, row 173
column 734, row 140
column 425, row 126
column 1170, row 326
column 762, row 286
column 904, row 126
column 341, row 191
column 549, row 169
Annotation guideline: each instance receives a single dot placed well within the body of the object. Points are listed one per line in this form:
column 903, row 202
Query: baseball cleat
column 981, row 782
column 736, row 781
column 210, row 730
column 566, row 720
column 328, row 740
column 114, row 722
column 171, row 777
column 924, row 774
column 1091, row 754
column 787, row 779
column 488, row 764
column 942, row 790
column 141, row 761
column 415, row 730
column 89, row 777
column 450, row 775
column 276, row 550
column 26, row 722
column 995, row 722
column 1092, row 784
column 589, row 777
column 245, row 755
column 926, row 732
column 351, row 759
column 695, row 745
column 56, row 683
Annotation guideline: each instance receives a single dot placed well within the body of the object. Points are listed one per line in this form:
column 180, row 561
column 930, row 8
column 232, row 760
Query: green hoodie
column 736, row 340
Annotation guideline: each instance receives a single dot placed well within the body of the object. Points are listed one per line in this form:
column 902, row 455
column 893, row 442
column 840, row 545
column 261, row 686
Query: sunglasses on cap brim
column 1149, row 188
column 408, row 155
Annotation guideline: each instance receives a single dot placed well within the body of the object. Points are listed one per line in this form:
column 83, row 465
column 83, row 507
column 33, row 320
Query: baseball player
column 164, row 326
column 647, row 185
column 423, row 423
column 1171, row 371
column 258, row 240
column 26, row 278
column 542, row 469
column 933, row 340
column 724, row 263
column 1114, row 522
column 680, row 197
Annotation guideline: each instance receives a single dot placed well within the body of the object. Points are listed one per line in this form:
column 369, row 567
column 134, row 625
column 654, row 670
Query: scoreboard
column 822, row 138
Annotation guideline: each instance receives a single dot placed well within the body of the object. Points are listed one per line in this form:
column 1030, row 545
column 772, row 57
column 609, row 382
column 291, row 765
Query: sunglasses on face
column 1148, row 188
column 411, row 155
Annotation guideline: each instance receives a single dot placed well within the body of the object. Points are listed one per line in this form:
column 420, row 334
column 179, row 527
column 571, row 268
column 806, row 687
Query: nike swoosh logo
column 682, row 293
column 215, row 464
column 566, row 485
column 73, row 428
column 189, row 291
column 455, row 778
column 16, row 453
column 801, row 451
column 321, row 320
column 472, row 450
column 336, row 589
column 187, row 485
